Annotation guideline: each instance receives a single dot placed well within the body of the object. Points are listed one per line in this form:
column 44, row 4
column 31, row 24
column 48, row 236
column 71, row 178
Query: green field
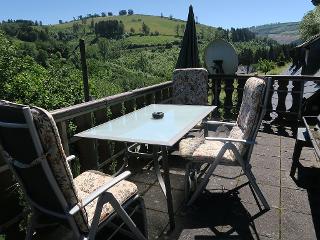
column 281, row 32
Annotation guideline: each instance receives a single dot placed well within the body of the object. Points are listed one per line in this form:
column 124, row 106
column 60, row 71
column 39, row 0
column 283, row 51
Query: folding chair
column 234, row 149
column 31, row 146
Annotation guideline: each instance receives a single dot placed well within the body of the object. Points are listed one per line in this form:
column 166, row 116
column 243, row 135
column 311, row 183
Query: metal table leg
column 165, row 180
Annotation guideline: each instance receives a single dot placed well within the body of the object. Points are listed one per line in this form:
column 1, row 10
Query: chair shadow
column 309, row 179
column 222, row 213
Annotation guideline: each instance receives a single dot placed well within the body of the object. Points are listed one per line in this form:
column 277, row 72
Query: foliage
column 47, row 72
column 265, row 66
column 310, row 24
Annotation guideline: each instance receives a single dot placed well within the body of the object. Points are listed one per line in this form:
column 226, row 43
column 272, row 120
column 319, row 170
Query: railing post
column 216, row 89
column 116, row 111
column 140, row 102
column 86, row 147
column 269, row 103
column 158, row 96
column 282, row 94
column 62, row 127
column 240, row 88
column 301, row 86
column 228, row 99
column 150, row 99
column 297, row 96
column 103, row 147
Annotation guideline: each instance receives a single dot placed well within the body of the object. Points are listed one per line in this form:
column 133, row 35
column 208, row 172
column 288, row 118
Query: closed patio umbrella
column 189, row 54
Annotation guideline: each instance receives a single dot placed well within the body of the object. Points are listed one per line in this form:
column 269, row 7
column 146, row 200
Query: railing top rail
column 86, row 107
column 277, row 77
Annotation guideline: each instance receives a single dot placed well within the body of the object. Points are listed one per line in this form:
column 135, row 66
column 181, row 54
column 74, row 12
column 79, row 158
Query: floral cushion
column 251, row 101
column 190, row 86
column 51, row 143
column 188, row 145
column 199, row 149
column 90, row 181
column 209, row 149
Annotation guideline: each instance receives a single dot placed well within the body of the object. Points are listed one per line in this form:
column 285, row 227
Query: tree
column 123, row 12
column 75, row 28
column 84, row 21
column 60, row 21
column 315, row 2
column 110, row 14
column 161, row 15
column 132, row 30
column 109, row 29
column 145, row 29
column 310, row 24
column 246, row 57
column 103, row 14
column 177, row 30
column 104, row 47
column 42, row 57
column 92, row 25
column 265, row 65
column 130, row 12
column 170, row 17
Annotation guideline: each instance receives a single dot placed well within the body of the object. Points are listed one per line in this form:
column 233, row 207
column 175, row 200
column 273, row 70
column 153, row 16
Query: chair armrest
column 229, row 140
column 220, row 123
column 70, row 158
column 100, row 191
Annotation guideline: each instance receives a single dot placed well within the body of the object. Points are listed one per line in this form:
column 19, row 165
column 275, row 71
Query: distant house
column 307, row 56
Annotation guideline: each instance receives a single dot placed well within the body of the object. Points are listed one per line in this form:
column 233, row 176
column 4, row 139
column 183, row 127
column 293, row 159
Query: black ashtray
column 157, row 115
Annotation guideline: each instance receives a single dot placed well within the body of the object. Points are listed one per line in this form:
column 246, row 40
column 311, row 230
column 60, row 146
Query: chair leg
column 30, row 228
column 187, row 181
column 144, row 216
column 255, row 186
column 125, row 217
column 204, row 182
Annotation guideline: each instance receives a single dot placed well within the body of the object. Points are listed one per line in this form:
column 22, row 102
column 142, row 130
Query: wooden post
column 62, row 127
column 84, row 70
column 86, row 147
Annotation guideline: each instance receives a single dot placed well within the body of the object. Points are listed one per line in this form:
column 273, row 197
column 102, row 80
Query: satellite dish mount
column 217, row 67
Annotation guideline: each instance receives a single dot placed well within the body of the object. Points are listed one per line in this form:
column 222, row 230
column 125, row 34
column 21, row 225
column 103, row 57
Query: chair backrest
column 31, row 146
column 190, row 86
column 251, row 113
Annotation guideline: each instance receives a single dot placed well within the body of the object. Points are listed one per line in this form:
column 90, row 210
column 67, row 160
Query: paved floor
column 223, row 214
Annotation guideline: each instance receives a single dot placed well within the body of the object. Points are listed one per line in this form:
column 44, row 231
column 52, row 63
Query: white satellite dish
column 221, row 58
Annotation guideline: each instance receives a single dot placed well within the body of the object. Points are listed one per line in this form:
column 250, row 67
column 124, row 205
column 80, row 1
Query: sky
column 222, row 13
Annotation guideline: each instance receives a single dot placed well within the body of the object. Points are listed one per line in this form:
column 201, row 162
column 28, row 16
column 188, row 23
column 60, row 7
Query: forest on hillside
column 40, row 64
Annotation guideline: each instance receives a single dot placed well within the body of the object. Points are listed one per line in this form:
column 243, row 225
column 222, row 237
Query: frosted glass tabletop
column 140, row 127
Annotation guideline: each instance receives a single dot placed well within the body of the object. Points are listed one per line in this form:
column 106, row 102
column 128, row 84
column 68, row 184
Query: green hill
column 281, row 32
column 163, row 25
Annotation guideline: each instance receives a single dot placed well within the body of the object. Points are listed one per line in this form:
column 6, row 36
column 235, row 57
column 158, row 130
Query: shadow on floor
column 309, row 179
column 216, row 216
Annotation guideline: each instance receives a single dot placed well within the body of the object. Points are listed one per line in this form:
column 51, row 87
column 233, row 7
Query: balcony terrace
column 228, row 209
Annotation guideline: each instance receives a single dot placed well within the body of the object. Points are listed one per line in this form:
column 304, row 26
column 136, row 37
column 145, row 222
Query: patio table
column 140, row 127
